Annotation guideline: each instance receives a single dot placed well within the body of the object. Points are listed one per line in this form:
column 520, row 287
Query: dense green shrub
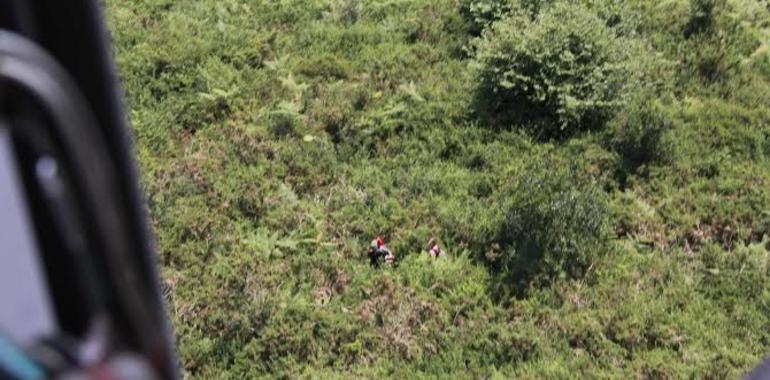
column 637, row 133
column 534, row 7
column 701, row 16
column 556, row 226
column 325, row 66
column 334, row 108
column 737, row 277
column 558, row 74
column 719, row 40
column 478, row 14
column 284, row 120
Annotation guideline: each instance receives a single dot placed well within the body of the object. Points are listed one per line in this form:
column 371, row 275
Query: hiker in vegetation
column 433, row 249
column 377, row 250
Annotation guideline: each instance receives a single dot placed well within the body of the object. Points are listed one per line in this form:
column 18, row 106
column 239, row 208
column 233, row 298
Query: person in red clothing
column 378, row 250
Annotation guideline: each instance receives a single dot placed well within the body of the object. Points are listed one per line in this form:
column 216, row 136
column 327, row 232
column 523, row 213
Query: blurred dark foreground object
column 762, row 372
column 79, row 294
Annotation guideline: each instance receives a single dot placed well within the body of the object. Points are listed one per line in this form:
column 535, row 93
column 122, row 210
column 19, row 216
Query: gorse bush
column 534, row 7
column 742, row 273
column 637, row 133
column 556, row 227
column 720, row 41
column 478, row 14
column 561, row 73
column 284, row 120
column 701, row 16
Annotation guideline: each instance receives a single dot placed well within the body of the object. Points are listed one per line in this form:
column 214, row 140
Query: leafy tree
column 561, row 73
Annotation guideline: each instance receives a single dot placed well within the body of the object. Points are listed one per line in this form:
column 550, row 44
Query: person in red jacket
column 378, row 250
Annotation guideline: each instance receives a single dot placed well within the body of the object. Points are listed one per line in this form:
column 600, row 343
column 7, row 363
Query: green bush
column 556, row 226
column 719, row 40
column 637, row 132
column 534, row 6
column 284, row 120
column 701, row 16
column 558, row 74
column 334, row 107
column 325, row 66
column 478, row 14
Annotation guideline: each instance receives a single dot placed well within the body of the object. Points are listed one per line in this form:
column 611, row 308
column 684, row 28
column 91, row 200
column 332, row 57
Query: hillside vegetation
column 598, row 172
